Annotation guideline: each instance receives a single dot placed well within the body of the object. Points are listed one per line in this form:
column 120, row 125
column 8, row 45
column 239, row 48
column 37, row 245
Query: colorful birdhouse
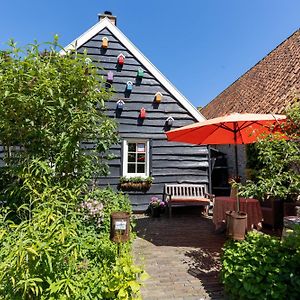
column 142, row 113
column 140, row 73
column 129, row 86
column 121, row 59
column 104, row 42
column 170, row 121
column 158, row 97
column 110, row 76
column 120, row 105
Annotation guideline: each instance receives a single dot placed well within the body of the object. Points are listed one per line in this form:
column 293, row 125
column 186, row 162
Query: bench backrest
column 188, row 191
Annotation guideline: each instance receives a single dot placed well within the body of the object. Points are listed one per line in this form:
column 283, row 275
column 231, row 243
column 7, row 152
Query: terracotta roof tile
column 269, row 87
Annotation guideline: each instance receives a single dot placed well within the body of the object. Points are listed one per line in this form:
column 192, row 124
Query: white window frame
column 125, row 158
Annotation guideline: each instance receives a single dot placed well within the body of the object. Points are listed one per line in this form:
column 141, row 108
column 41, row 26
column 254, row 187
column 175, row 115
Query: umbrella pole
column 236, row 161
column 236, row 166
column 236, row 174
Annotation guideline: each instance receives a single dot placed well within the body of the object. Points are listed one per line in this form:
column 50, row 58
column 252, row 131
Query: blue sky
column 201, row 46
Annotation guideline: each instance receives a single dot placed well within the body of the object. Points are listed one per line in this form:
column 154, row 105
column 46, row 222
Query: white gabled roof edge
column 105, row 23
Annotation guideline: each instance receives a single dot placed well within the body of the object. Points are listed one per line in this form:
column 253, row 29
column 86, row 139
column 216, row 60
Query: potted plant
column 137, row 183
column 233, row 180
column 156, row 206
column 277, row 180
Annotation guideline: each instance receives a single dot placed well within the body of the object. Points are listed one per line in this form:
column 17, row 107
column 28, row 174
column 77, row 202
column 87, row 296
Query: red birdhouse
column 142, row 113
column 121, row 59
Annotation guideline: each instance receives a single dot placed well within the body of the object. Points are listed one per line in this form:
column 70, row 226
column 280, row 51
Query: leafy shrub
column 291, row 246
column 55, row 255
column 51, row 106
column 112, row 202
column 262, row 267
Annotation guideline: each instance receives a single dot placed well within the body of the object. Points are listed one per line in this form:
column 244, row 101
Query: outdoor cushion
column 194, row 199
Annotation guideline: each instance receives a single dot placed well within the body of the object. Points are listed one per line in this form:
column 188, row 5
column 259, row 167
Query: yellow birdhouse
column 158, row 97
column 104, row 42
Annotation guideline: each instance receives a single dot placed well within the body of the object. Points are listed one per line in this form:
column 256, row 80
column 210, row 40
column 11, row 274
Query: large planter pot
column 289, row 224
column 229, row 229
column 236, row 225
column 289, row 208
column 272, row 211
column 155, row 212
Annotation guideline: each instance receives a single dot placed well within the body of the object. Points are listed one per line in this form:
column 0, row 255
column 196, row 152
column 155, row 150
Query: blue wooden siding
column 170, row 162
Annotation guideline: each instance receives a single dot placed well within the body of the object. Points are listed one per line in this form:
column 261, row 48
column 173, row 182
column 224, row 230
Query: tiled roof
column 269, row 87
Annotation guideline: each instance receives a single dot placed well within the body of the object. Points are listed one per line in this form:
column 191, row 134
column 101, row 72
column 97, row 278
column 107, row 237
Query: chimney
column 108, row 14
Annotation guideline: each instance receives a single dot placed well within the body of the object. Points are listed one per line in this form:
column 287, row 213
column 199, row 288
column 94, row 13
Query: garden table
column 247, row 205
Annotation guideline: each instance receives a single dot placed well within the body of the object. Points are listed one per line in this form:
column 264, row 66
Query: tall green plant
column 279, row 161
column 55, row 254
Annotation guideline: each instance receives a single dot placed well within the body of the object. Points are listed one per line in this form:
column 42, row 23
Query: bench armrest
column 167, row 197
column 211, row 197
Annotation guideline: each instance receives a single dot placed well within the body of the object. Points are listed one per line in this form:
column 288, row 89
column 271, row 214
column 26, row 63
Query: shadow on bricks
column 194, row 236
column 187, row 228
column 205, row 265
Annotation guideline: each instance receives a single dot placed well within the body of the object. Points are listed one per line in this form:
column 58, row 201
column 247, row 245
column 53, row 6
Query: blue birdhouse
column 120, row 105
column 140, row 73
column 129, row 86
column 110, row 76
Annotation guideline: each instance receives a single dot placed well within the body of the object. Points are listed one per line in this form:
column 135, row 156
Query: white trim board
column 105, row 23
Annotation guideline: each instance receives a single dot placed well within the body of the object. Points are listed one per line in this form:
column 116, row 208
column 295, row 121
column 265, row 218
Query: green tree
column 51, row 106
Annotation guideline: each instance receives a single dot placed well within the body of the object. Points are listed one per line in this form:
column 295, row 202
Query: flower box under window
column 135, row 183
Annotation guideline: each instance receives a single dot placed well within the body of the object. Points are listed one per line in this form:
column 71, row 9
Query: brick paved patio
column 181, row 255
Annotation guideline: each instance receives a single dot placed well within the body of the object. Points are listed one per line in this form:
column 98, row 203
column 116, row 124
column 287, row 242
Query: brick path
column 181, row 255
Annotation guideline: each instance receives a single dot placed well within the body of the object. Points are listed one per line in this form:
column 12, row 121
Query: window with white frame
column 136, row 158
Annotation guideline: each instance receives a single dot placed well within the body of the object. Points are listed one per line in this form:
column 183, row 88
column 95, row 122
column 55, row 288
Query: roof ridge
column 105, row 23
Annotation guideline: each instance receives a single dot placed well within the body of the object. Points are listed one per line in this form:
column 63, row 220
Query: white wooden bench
column 188, row 195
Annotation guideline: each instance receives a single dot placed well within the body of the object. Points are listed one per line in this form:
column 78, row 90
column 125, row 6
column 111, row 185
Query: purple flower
column 156, row 202
column 92, row 210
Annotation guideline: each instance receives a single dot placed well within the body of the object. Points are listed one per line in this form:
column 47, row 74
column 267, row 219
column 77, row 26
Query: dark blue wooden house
column 145, row 104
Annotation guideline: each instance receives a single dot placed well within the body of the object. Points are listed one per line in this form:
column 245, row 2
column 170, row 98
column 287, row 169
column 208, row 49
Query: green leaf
column 122, row 294
column 134, row 286
column 31, row 250
column 50, row 91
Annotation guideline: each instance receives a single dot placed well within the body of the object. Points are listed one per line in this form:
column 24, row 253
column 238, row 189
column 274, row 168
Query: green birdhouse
column 140, row 73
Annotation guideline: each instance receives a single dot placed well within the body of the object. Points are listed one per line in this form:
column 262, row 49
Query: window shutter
column 150, row 157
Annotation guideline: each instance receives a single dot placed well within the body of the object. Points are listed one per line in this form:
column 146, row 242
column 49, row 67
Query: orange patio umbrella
column 230, row 129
